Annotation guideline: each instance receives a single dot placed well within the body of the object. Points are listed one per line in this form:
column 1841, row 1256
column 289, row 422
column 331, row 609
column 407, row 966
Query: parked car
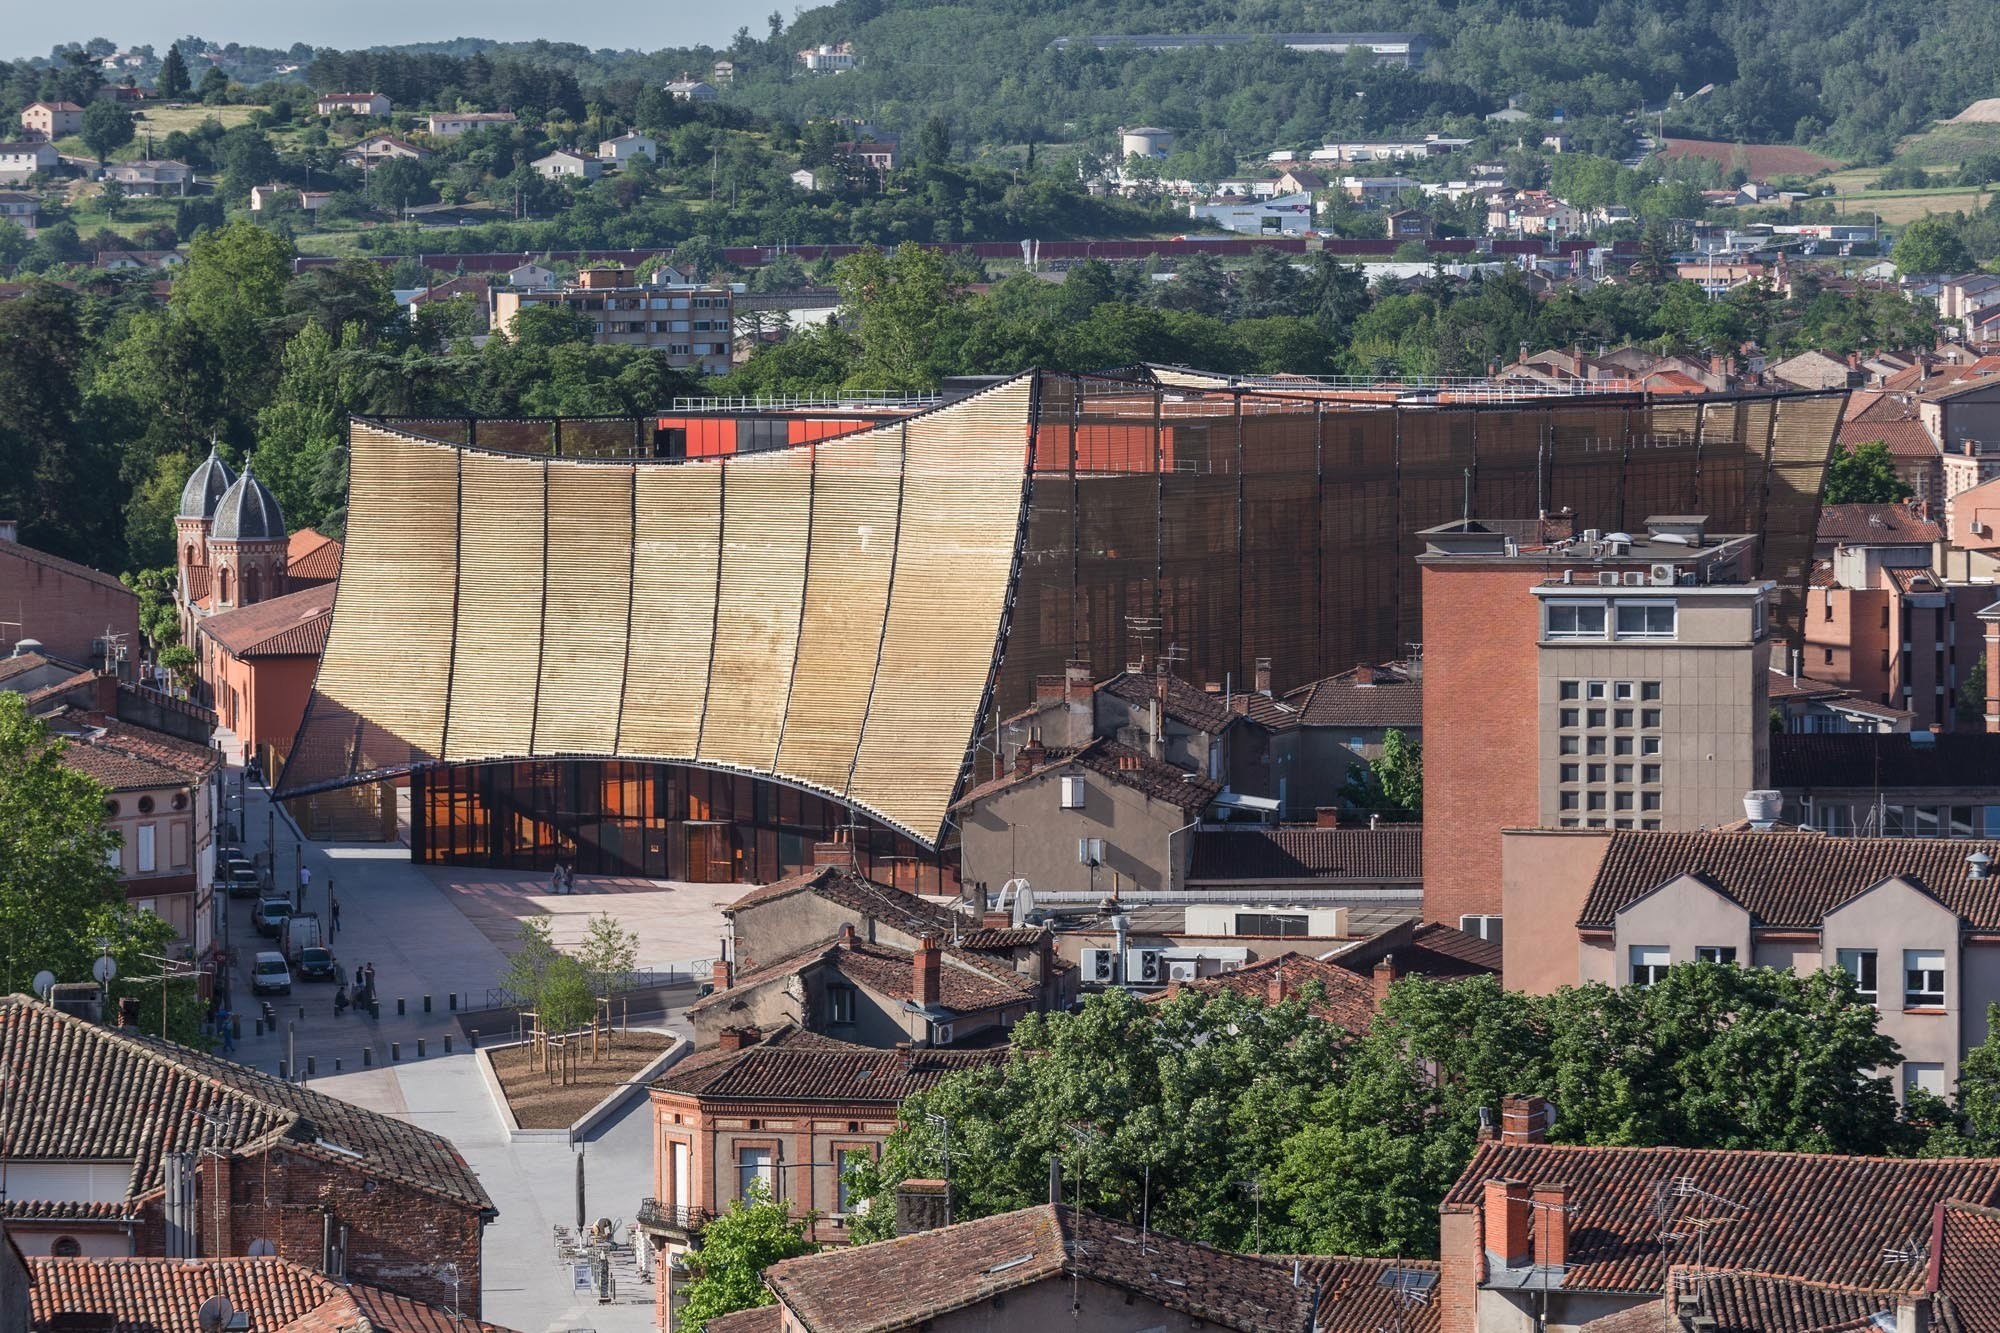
column 316, row 964
column 272, row 913
column 270, row 976
column 242, row 879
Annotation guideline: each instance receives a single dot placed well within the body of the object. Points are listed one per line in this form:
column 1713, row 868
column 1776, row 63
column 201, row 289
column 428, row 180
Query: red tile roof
column 791, row 1065
column 869, row 898
column 1968, row 1266
column 1370, row 1295
column 1745, row 1302
column 294, row 625
column 1430, row 949
column 763, row 1319
column 901, row 1283
column 1339, row 996
column 968, row 982
column 1183, row 701
column 312, row 557
column 22, row 663
column 1124, row 765
column 1876, row 525
column 1390, row 699
column 1392, row 852
column 124, row 757
column 1817, row 1216
column 1790, row 880
column 390, row 1313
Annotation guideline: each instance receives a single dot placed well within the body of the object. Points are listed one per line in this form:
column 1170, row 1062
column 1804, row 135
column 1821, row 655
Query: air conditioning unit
column 1607, row 578
column 1182, row 969
column 1663, row 576
column 1982, row 529
column 1145, row 967
column 1099, row 965
column 1634, row 579
column 940, row 1034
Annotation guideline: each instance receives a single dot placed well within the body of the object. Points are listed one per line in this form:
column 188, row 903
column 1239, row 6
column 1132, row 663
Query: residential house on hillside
column 51, row 120
column 23, row 210
column 628, row 146
column 1816, row 370
column 371, row 105
column 152, row 178
column 1408, row 224
column 379, row 148
column 451, row 124
column 19, row 161
column 692, row 90
column 567, row 163
column 91, row 1151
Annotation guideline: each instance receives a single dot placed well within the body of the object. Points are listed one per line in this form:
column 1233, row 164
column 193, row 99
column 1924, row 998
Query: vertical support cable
column 631, row 578
column 457, row 581
column 542, row 635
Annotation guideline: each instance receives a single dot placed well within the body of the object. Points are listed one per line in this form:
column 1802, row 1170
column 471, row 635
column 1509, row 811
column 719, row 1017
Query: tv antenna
column 1254, row 1188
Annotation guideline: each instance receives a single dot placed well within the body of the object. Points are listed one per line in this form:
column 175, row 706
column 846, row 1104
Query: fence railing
column 619, row 983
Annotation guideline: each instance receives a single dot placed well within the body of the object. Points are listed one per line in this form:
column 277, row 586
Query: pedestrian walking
column 228, row 1033
column 336, row 915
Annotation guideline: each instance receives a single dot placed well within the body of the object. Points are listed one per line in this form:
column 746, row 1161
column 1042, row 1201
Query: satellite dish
column 260, row 1248
column 213, row 1316
column 104, row 969
column 45, row 981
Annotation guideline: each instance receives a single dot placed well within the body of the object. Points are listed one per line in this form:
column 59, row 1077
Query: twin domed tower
column 232, row 541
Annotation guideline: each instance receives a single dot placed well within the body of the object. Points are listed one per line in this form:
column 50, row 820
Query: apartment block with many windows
column 691, row 325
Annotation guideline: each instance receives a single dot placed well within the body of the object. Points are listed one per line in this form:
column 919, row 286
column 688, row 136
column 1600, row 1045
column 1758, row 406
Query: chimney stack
column 1524, row 1119
column 1551, row 1209
column 834, row 851
column 921, row 1205
column 1029, row 756
column 929, row 966
column 735, row 1039
column 1506, row 1223
column 724, row 974
column 1274, row 989
column 847, row 932
column 128, row 1013
column 906, row 1058
column 1384, row 976
column 105, row 686
column 1261, row 676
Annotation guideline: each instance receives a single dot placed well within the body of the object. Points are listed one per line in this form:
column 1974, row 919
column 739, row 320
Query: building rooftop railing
column 783, row 401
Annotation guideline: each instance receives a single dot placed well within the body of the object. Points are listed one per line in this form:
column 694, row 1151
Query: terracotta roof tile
column 22, row 663
column 294, row 625
column 1345, row 998
column 907, row 912
column 1876, row 525
column 901, row 1283
column 390, row 1313
column 1122, row 764
column 81, row 1090
column 1430, row 949
column 1367, row 1295
column 968, row 982
column 1184, row 702
column 792, row 1065
column 1745, row 1302
column 1816, row 1216
column 123, row 756
column 763, row 1319
column 164, row 1295
column 1790, row 880
column 1390, row 699
column 1393, row 852
column 1968, row 1267
column 312, row 557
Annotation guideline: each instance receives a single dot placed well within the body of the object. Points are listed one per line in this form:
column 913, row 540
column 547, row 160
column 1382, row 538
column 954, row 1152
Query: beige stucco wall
column 770, row 931
column 1891, row 918
column 1545, row 876
column 1023, row 832
column 1681, row 915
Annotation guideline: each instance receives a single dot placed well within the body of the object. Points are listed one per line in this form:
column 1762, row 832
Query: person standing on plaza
column 305, row 882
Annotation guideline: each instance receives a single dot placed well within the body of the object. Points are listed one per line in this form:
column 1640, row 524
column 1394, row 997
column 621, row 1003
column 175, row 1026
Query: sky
column 33, row 29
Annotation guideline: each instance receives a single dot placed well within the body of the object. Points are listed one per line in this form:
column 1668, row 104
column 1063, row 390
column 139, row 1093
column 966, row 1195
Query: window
column 148, row 853
column 1860, row 965
column 1621, row 800
column 1595, row 690
column 1649, row 745
column 1484, row 927
column 1649, row 691
column 1568, row 718
column 1567, row 690
column 1649, row 963
column 1566, row 800
column 1621, row 772
column 1649, row 772
column 1567, row 745
column 1715, row 953
column 1621, row 717
column 1269, row 923
column 1597, row 772
column 753, row 1170
column 1622, row 690
column 1649, row 717
column 1594, row 800
column 1567, row 773
column 1923, row 980
column 1646, row 620
column 1596, row 716
column 839, row 1005
column 1622, row 745
column 1072, row 793
column 1827, row 657
column 851, row 1160
column 1923, row 1078
column 1649, row 800
column 1576, row 620
column 1595, row 745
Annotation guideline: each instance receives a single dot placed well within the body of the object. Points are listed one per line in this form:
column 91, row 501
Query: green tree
column 911, row 310
column 55, row 873
column 1970, row 710
column 159, row 616
column 173, row 82
column 935, row 142
column 232, row 291
column 214, row 88
column 736, row 1248
column 302, row 427
column 1931, row 244
column 1865, row 474
column 181, row 661
column 609, row 952
column 528, row 964
column 107, row 127
column 112, row 196
column 1979, row 1087
column 566, row 1002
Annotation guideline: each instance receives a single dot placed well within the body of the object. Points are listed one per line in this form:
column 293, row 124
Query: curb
column 596, row 1115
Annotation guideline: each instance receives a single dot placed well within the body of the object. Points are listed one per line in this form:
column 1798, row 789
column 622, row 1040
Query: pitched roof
column 1790, row 880
column 124, row 756
column 1876, row 525
column 968, row 982
column 62, row 566
column 1389, row 698
column 390, row 1313
column 294, row 625
column 1820, row 760
column 1428, row 948
column 762, row 1319
column 1818, row 1216
column 1747, row 1302
column 1347, row 998
column 1968, row 1266
column 791, row 1065
column 22, row 663
column 1366, row 1295
column 84, row 1091
column 1124, row 765
column 1182, row 701
column 1392, row 852
column 312, row 556
column 891, row 906
column 901, row 1283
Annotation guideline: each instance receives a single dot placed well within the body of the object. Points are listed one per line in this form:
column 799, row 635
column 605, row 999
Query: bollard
column 374, row 1007
column 260, row 1027
column 336, row 1064
column 472, row 1040
column 367, row 1056
column 312, row 1066
column 284, row 1072
column 399, row 1006
column 452, row 1000
column 427, row 1004
column 420, row 1048
column 395, row 1050
column 447, row 1043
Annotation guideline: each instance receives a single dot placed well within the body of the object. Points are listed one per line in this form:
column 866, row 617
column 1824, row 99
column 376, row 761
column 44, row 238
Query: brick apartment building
column 122, row 1145
column 79, row 614
column 1589, row 680
column 692, row 326
column 786, row 1111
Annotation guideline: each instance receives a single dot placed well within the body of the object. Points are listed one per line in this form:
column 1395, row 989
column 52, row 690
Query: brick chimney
column 1551, row 1209
column 105, row 694
column 1275, row 989
column 1524, row 1119
column 1028, row 757
column 735, row 1039
column 1261, row 676
column 1049, row 690
column 128, row 1013
column 847, row 932
column 929, row 967
column 1364, row 674
column 906, row 1058
column 921, row 1205
column 1506, row 1219
column 1326, row 816
column 835, row 851
column 1384, row 976
column 723, row 974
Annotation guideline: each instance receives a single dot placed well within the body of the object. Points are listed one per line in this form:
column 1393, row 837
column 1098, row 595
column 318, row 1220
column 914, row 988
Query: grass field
column 160, row 121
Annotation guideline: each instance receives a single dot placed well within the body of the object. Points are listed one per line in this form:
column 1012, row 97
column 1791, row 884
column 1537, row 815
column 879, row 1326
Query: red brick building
column 75, row 612
column 121, row 1145
column 258, row 662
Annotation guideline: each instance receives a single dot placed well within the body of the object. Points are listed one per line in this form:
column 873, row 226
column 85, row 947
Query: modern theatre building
column 801, row 625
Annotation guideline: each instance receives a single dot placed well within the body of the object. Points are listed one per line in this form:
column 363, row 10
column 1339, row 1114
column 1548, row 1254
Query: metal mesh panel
column 587, row 608
column 1435, row 458
column 1801, row 448
column 497, row 651
column 766, row 506
column 1042, row 622
column 1281, row 534
column 1200, row 555
column 954, row 556
column 1359, row 520
column 1588, row 450
column 676, row 545
column 855, row 512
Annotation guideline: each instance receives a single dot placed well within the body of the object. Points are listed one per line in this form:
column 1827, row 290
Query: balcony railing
column 672, row 1216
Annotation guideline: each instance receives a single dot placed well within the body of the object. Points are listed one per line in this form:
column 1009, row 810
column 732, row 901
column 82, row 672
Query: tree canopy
column 1865, row 474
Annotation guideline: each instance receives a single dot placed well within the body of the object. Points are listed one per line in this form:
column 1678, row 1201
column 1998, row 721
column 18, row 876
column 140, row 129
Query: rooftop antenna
column 942, row 1124
column 1254, row 1187
column 1146, row 1209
